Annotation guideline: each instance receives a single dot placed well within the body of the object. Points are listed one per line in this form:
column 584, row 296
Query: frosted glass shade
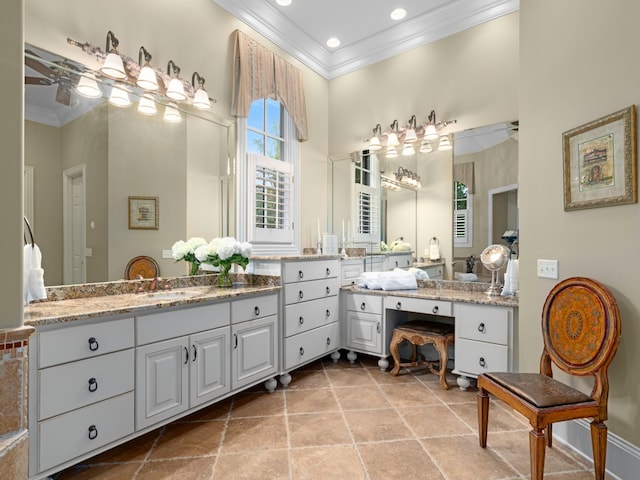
column 172, row 114
column 201, row 99
column 88, row 87
column 445, row 144
column 119, row 97
column 147, row 79
column 175, row 90
column 430, row 132
column 392, row 139
column 147, row 106
column 374, row 144
column 113, row 67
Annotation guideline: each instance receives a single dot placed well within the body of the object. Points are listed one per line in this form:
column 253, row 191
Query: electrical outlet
column 167, row 254
column 548, row 268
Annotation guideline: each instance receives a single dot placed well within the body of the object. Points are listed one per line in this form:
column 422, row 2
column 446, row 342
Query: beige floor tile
column 188, row 440
column 267, row 464
column 217, row 411
column 398, row 460
column 311, row 401
column 316, row 429
column 377, row 425
column 385, row 378
column 409, row 395
column 454, row 394
column 461, row 457
column 499, row 419
column 258, row 404
column 348, row 377
column 434, row 421
column 135, row 450
column 118, row 471
column 308, row 379
column 186, row 468
column 353, row 398
column 326, row 463
column 255, row 433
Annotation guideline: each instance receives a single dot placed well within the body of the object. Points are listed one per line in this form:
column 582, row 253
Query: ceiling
column 367, row 33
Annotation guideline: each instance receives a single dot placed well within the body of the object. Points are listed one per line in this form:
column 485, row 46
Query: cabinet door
column 255, row 351
column 162, row 381
column 364, row 332
column 210, row 372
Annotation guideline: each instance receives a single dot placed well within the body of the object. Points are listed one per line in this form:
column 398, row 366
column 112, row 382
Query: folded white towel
column 419, row 273
column 369, row 280
column 466, row 277
column 33, row 274
column 511, row 278
column 395, row 280
column 506, row 289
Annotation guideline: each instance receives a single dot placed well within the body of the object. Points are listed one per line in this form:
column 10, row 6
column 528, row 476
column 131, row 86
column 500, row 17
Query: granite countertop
column 445, row 291
column 93, row 302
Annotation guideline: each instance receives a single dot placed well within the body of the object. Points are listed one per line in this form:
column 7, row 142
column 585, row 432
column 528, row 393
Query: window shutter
column 367, row 214
column 460, row 227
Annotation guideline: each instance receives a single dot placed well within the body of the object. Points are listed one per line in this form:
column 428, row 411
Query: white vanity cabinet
column 398, row 260
column 435, row 272
column 182, row 361
column 350, row 270
column 81, row 390
column 484, row 340
column 363, row 328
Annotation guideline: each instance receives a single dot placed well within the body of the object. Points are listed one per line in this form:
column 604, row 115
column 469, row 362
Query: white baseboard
column 623, row 458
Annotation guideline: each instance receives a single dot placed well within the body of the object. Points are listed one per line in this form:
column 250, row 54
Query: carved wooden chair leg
column 414, row 352
column 441, row 347
column 549, row 435
column 536, row 453
column 599, row 446
column 483, row 417
column 396, row 340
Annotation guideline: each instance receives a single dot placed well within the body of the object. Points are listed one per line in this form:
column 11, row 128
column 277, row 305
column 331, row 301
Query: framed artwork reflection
column 144, row 213
column 600, row 166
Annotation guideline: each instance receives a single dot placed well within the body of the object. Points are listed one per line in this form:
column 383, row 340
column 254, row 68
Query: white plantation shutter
column 271, row 200
column 462, row 217
column 460, row 231
column 367, row 214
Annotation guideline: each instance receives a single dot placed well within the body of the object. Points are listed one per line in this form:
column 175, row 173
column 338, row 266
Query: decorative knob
column 328, row 290
column 301, row 351
column 328, row 272
column 328, row 341
column 93, row 344
column 435, row 309
column 301, row 320
column 93, row 384
column 363, row 306
column 398, row 306
column 300, row 294
column 257, row 311
column 327, row 312
column 93, row 432
column 482, row 362
column 300, row 274
column 481, row 328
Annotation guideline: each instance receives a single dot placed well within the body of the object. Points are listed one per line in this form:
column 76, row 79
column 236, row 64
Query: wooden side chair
column 581, row 332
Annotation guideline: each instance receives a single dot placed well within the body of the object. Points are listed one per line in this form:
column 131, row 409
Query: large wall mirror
column 85, row 157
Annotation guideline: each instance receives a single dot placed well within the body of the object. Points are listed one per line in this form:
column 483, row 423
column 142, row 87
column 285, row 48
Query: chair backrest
column 581, row 326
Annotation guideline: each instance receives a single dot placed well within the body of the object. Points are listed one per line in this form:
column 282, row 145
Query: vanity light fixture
column 200, row 98
column 408, row 150
column 146, row 105
column 430, row 131
column 408, row 178
column 88, row 87
column 410, row 136
column 445, row 144
column 374, row 142
column 172, row 114
column 119, row 97
column 175, row 90
column 392, row 136
column 113, row 66
column 147, row 79
column 426, row 147
column 392, row 152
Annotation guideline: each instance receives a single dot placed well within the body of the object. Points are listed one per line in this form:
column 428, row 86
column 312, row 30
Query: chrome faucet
column 153, row 286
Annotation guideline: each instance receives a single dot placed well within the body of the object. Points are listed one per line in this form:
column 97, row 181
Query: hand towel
column 34, row 274
column 466, row 277
column 434, row 252
column 419, row 273
column 394, row 280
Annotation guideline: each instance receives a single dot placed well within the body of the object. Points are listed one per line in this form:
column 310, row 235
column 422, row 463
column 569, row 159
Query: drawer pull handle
column 363, row 306
column 257, row 310
column 328, row 341
column 93, row 344
column 327, row 313
column 435, row 309
column 301, row 351
column 328, row 290
column 300, row 274
column 93, row 432
column 235, row 336
column 301, row 320
column 397, row 263
column 328, row 272
column 186, row 355
column 399, row 306
column 300, row 294
column 378, row 327
column 93, row 385
column 481, row 328
column 195, row 353
column 482, row 363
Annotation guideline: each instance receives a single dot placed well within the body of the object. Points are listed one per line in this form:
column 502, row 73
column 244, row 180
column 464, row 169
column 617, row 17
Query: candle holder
column 343, row 252
column 319, row 247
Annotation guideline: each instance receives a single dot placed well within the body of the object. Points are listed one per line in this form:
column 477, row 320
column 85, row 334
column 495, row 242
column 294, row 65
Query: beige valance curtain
column 463, row 173
column 259, row 73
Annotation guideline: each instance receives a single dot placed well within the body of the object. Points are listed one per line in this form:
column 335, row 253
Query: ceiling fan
column 60, row 72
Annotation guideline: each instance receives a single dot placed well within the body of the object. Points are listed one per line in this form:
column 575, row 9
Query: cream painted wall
column 578, row 63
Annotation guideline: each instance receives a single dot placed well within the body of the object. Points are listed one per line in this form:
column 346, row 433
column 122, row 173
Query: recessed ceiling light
column 333, row 42
column 398, row 14
column 283, row 3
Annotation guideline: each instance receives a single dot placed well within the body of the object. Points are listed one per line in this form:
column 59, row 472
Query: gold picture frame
column 144, row 213
column 600, row 162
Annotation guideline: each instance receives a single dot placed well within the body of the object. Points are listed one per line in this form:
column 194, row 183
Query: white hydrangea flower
column 196, row 242
column 245, row 249
column 180, row 249
column 202, row 252
column 226, row 247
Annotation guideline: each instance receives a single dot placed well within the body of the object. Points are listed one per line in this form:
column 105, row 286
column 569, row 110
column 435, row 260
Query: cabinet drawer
column 304, row 291
column 67, row 436
column 310, row 270
column 479, row 357
column 176, row 323
column 483, row 323
column 254, row 307
column 436, row 272
column 399, row 261
column 84, row 341
column 418, row 305
column 350, row 271
column 357, row 302
column 305, row 316
column 307, row 346
column 77, row 384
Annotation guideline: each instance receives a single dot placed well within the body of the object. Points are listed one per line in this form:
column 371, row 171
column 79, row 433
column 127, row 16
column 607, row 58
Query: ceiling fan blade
column 37, row 81
column 63, row 95
column 38, row 67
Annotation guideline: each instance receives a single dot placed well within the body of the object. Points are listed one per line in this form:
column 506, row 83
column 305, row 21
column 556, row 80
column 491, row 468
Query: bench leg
column 396, row 340
column 441, row 347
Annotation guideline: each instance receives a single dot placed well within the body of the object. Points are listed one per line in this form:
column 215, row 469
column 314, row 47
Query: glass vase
column 224, row 277
column 193, row 268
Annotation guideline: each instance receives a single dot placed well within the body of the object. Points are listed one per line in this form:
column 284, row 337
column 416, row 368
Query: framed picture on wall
column 600, row 162
column 144, row 213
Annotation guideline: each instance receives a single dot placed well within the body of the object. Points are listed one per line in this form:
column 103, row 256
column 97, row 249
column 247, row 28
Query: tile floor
column 336, row 421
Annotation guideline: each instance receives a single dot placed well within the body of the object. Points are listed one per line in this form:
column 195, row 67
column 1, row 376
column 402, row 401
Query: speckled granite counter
column 447, row 291
column 79, row 302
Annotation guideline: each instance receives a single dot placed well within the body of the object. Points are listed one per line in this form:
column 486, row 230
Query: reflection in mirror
column 485, row 194
column 86, row 157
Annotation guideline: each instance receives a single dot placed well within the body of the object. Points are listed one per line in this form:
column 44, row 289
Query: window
column 366, row 199
column 462, row 216
column 268, row 196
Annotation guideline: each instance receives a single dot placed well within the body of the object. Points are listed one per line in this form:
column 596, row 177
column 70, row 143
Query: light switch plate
column 548, row 268
column 166, row 254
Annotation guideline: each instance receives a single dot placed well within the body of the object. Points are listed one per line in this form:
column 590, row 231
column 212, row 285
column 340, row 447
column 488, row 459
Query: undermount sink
column 170, row 294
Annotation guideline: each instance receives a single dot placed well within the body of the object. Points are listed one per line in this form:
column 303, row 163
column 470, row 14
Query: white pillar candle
column 343, row 228
column 318, row 228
